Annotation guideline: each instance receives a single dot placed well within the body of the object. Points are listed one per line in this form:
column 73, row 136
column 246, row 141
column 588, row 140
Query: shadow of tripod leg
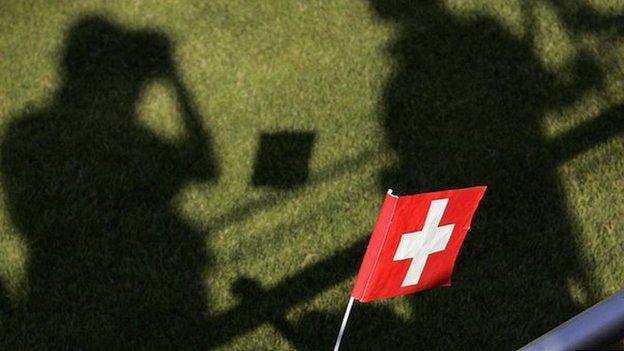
column 5, row 304
column 375, row 326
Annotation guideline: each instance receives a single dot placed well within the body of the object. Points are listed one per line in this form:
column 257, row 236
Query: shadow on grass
column 283, row 160
column 111, row 265
column 465, row 106
column 5, row 302
column 580, row 17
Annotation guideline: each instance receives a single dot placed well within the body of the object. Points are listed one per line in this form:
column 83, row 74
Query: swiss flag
column 415, row 242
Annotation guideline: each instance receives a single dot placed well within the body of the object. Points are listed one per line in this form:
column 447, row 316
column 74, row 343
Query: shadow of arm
column 197, row 151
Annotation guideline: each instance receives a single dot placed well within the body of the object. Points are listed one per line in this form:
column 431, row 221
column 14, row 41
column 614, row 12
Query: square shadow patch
column 282, row 159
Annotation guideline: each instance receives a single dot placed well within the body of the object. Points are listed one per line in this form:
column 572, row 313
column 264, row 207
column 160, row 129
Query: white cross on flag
column 415, row 242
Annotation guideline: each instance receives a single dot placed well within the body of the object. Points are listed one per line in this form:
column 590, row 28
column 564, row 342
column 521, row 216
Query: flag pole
column 344, row 323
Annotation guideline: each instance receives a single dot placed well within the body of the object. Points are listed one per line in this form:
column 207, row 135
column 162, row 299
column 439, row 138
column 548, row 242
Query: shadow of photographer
column 111, row 264
column 465, row 105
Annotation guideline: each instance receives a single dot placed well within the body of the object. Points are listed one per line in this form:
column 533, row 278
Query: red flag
column 415, row 242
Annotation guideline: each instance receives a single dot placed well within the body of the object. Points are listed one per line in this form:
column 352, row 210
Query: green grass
column 120, row 229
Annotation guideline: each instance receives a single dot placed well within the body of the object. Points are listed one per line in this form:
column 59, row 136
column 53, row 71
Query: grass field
column 148, row 203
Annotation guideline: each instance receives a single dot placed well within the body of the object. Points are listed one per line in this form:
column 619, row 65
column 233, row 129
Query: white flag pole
column 344, row 323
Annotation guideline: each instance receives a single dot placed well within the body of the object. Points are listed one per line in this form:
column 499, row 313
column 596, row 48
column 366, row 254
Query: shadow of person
column 465, row 106
column 111, row 265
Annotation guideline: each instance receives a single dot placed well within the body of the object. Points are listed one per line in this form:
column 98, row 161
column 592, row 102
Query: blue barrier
column 597, row 326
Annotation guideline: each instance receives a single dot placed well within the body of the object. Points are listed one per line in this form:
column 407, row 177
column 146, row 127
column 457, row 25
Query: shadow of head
column 102, row 53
